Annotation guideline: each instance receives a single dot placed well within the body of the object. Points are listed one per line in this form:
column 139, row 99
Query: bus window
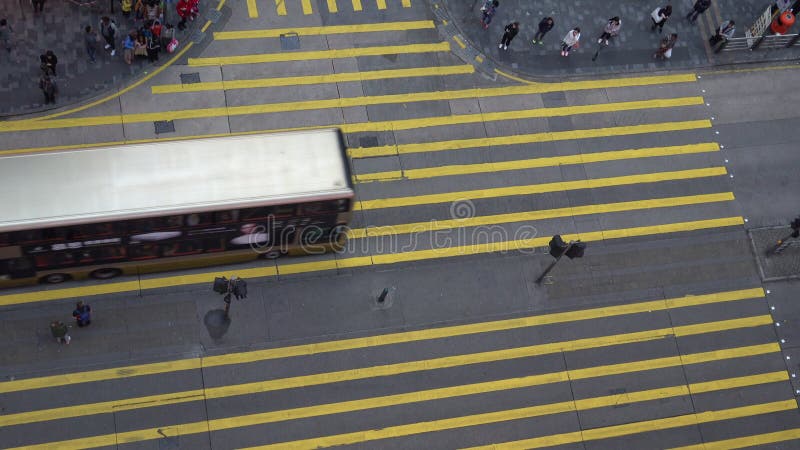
column 226, row 216
column 281, row 210
column 196, row 219
column 143, row 251
column 182, row 248
column 253, row 214
column 27, row 236
column 110, row 253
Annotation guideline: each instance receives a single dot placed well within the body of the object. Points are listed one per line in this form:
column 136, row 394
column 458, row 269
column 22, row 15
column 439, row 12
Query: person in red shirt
column 187, row 10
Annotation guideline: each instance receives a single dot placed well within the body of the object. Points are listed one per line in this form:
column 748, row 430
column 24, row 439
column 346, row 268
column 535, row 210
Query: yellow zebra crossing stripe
column 438, row 225
column 380, row 340
column 30, row 125
column 461, row 144
column 532, row 411
column 365, row 261
column 306, row 7
column 531, row 189
column 326, row 30
column 319, row 54
column 357, row 5
column 332, row 7
column 280, row 7
column 443, row 393
column 252, row 9
column 463, row 69
column 636, row 427
column 747, row 441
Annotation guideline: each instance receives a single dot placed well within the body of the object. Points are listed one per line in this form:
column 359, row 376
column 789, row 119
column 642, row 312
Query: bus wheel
column 55, row 278
column 105, row 274
column 272, row 254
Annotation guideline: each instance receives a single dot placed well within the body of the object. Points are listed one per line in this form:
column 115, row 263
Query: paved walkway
column 60, row 28
column 631, row 51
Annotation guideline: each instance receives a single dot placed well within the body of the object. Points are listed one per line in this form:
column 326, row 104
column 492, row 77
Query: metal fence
column 754, row 43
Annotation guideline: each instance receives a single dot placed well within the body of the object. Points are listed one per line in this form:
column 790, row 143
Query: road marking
column 365, row 261
column 414, row 397
column 319, row 54
column 449, row 362
column 380, row 340
column 532, row 189
column 252, row 9
column 631, row 428
column 332, row 7
column 459, row 41
column 746, row 441
column 461, row 144
column 406, row 3
column 280, row 7
column 381, row 4
column 524, row 164
column 438, row 225
column 306, row 7
column 29, row 125
column 462, row 69
column 326, row 30
column 357, row 5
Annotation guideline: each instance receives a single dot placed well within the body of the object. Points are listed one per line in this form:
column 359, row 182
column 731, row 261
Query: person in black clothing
column 545, row 25
column 48, row 87
column 48, row 62
column 510, row 31
column 700, row 6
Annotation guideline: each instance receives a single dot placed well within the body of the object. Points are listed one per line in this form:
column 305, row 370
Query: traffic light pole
column 553, row 264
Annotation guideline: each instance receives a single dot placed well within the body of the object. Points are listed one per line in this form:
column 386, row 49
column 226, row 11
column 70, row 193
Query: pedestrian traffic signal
column 557, row 246
column 576, row 250
column 220, row 285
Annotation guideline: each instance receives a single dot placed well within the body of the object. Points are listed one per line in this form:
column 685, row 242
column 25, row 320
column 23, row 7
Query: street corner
column 461, row 44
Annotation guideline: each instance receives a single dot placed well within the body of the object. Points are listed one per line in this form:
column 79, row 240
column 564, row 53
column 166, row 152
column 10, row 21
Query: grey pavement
column 630, row 52
column 60, row 28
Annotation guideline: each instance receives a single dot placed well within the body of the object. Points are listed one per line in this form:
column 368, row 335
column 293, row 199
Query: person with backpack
column 700, row 6
column 60, row 332
column 659, row 17
column 108, row 29
column 545, row 25
column 509, row 32
column 49, row 62
column 82, row 314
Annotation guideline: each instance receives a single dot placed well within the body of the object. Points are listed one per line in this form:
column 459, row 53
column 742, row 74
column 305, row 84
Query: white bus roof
column 170, row 177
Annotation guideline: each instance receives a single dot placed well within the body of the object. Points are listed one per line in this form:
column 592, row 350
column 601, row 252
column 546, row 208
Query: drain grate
column 368, row 141
column 190, row 78
column 290, row 41
column 164, row 126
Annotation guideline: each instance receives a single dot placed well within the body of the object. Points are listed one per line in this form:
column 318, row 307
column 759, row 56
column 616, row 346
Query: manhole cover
column 190, row 78
column 164, row 126
column 290, row 41
column 368, row 141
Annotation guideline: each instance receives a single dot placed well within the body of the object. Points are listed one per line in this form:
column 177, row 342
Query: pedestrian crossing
column 306, row 7
column 645, row 165
column 447, row 379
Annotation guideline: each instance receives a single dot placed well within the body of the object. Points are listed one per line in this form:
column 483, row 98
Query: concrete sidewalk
column 60, row 28
column 631, row 51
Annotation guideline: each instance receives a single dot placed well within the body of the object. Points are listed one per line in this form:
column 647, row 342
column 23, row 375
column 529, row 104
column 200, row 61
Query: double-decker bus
column 128, row 209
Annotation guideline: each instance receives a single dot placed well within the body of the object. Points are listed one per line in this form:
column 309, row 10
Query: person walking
column 90, row 39
column 82, row 314
column 545, row 25
column 611, row 29
column 6, row 34
column 510, row 31
column 128, row 46
column 700, row 6
column 153, row 47
column 665, row 47
column 723, row 33
column 489, row 12
column 38, row 6
column 659, row 17
column 570, row 41
column 108, row 29
column 60, row 332
column 49, row 61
